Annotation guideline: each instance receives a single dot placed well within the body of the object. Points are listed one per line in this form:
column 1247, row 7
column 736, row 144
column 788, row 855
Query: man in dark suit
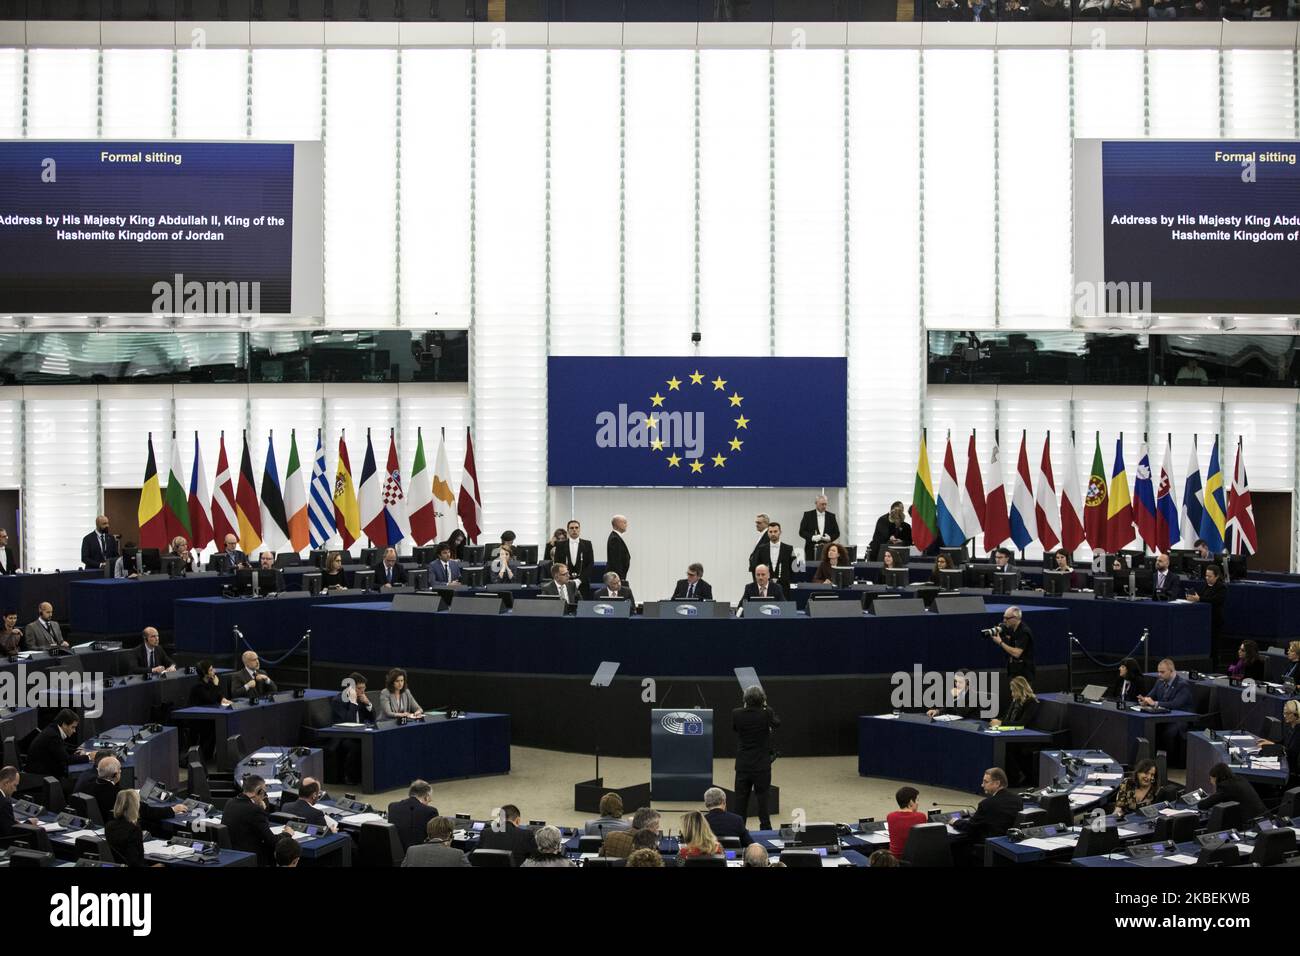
column 818, row 527
column 693, row 587
column 1165, row 584
column 107, row 784
column 1229, row 787
column 351, row 706
column 309, row 793
column 388, row 573
column 753, row 724
column 412, row 815
column 149, row 657
column 763, row 588
column 53, row 748
column 998, row 810
column 505, row 833
column 561, row 586
column 99, row 547
column 722, row 821
column 1291, row 738
column 444, row 569
column 1171, row 691
column 892, row 529
column 265, row 566
column 246, row 820
column 231, row 558
column 614, row 588
column 761, row 522
column 9, row 778
column 617, row 557
column 249, row 681
column 8, row 556
column 778, row 557
column 577, row 553
column 44, row 633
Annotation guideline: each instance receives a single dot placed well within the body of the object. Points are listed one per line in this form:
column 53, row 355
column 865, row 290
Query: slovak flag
column 1022, row 501
column 1166, row 507
column 1047, row 511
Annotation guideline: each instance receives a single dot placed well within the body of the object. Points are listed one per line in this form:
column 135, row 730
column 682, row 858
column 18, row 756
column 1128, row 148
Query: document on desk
column 1098, row 761
column 165, row 850
column 886, row 716
column 1105, row 776
column 1092, row 791
column 835, row 861
column 1265, row 763
column 947, row 717
column 50, row 827
column 1182, row 858
column 77, row 834
column 1050, row 843
column 349, row 724
column 360, row 818
column 264, row 755
column 1125, row 832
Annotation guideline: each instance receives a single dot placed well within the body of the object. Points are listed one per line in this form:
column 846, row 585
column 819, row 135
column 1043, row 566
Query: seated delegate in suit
column 1248, row 663
column 996, row 813
column 1139, row 789
column 266, row 562
column 44, row 633
column 9, row 778
column 52, row 750
column 817, row 526
column 505, row 833
column 610, row 819
column 1171, row 691
column 693, row 587
column 504, row 569
column 309, row 793
column 1165, row 584
column 834, row 557
column 11, row 635
column 1291, row 672
column 1291, row 738
column 1129, row 683
column 412, row 815
column 645, row 827
column 105, row 789
column 722, row 821
column 231, row 559
column 395, row 700
column 1227, row 787
column 249, row 680
column 962, row 699
column 778, row 556
column 99, row 547
column 560, row 586
column 763, row 588
column 614, row 588
column 247, row 822
column 436, row 850
column 332, row 577
column 892, row 530
column 388, row 573
column 122, row 830
column 444, row 569
column 208, row 692
column 351, row 706
column 149, row 657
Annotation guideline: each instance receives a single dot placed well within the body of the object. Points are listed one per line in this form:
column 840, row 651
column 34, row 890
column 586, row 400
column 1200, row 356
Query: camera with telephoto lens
column 993, row 631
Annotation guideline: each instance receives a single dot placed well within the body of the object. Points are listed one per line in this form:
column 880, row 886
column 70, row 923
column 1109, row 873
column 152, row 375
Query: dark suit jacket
column 724, row 823
column 774, row 592
column 1172, row 590
column 250, row 829
column 381, row 575
column 11, row 560
column 703, row 590
column 1137, row 686
column 342, row 712
column 808, row 528
column 227, row 561
column 884, row 531
column 617, row 557
column 140, row 658
column 91, row 555
column 784, row 571
column 622, row 592
column 105, row 794
column 520, row 842
column 438, row 576
column 1242, row 792
column 586, row 558
column 1173, row 695
column 301, row 808
column 574, row 592
column 1291, row 741
column 994, row 815
column 410, row 816
column 753, row 727
column 49, row 754
column 126, row 840
column 237, row 679
column 1216, row 596
column 1020, row 713
column 6, row 816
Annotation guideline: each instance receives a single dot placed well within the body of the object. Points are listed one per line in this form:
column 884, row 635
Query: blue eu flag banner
column 697, row 422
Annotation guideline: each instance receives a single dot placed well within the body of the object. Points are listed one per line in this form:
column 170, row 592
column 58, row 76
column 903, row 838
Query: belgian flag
column 153, row 523
column 247, row 510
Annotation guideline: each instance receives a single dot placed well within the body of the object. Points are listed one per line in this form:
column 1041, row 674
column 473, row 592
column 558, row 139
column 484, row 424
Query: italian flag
column 424, row 524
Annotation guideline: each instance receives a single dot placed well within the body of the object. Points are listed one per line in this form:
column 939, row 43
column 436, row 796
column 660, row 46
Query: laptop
column 1093, row 693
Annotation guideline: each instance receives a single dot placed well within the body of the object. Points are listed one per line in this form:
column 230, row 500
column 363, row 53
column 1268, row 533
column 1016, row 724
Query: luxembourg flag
column 1047, row 511
column 1022, row 501
column 1144, row 501
column 1166, row 507
column 950, row 529
column 1071, row 503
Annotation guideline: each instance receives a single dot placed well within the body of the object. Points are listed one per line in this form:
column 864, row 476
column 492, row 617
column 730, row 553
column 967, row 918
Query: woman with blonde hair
column 122, row 833
column 1020, row 711
column 697, row 837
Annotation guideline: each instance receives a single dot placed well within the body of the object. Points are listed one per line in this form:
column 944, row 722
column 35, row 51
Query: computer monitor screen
column 843, row 577
column 418, row 579
column 896, row 577
column 1004, row 582
column 150, row 560
column 1056, row 582
column 951, row 579
column 365, row 580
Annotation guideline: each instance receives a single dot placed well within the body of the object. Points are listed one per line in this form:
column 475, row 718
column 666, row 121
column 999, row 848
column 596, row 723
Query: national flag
column 176, row 507
column 1241, row 512
column 200, row 524
column 1189, row 527
column 1144, row 501
column 1071, row 503
column 949, row 505
column 424, row 524
column 295, row 499
column 389, row 525
column 1119, row 509
column 997, row 528
column 370, row 499
column 275, row 524
column 1047, row 510
column 974, row 505
column 1096, row 502
column 320, row 504
column 444, row 500
column 224, row 519
column 925, row 524
column 347, row 514
column 247, row 511
column 1166, row 507
column 149, row 513
column 470, row 504
column 1022, row 501
column 1214, row 518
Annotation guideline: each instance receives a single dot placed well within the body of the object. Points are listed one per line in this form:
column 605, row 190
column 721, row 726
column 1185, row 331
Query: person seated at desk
column 248, row 823
column 763, row 588
column 1021, row 710
column 961, row 698
column 505, row 833
column 122, row 830
column 996, row 813
column 1139, row 789
column 1202, row 549
column 1165, row 584
column 436, row 850
column 287, row 853
column 614, row 588
column 722, row 821
column 1249, row 663
column 388, row 573
column 444, row 569
column 351, row 705
column 1214, row 593
column 1171, row 691
column 8, row 557
column 610, row 819
column 309, row 794
column 9, row 777
column 412, row 816
column 697, row 837
column 892, row 531
column 1290, row 673
column 887, row 561
column 106, row 789
column 756, row 857
column 693, row 587
column 1129, row 683
column 332, row 577
column 265, row 563
column 548, row 849
column 457, row 541
column 1227, row 786
column 206, row 693
column 1063, row 562
column 231, row 559
column 1291, row 739
column 900, row 822
column 250, row 681
column 1003, row 560
column 622, row 843
column 180, row 549
column 51, row 751
column 149, row 657
column 86, row 779
column 11, row 635
column 833, row 557
column 504, row 569
column 44, row 633
column 940, row 564
column 127, row 565
column 560, row 586
column 396, row 700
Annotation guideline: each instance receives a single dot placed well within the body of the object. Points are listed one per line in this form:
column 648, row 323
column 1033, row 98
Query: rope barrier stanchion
column 1143, row 643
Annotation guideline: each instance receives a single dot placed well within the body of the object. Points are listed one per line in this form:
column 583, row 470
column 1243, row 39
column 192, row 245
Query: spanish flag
column 925, row 519
column 247, row 510
column 153, row 524
column 347, row 516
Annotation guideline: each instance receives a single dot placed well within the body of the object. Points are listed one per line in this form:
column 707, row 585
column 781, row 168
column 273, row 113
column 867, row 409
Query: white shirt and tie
column 774, row 563
column 690, row 590
column 573, row 552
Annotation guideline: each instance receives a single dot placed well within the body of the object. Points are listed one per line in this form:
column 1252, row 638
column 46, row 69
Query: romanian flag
column 153, row 524
column 1119, row 511
column 248, row 512
column 347, row 516
column 925, row 521
column 1214, row 520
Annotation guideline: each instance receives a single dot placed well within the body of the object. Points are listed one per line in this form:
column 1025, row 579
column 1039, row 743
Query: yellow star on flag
column 674, row 384
column 741, row 422
column 696, row 467
column 736, row 399
column 697, row 377
column 656, row 399
column 719, row 461
column 719, row 383
column 652, row 422
column 735, row 444
column 657, row 444
column 674, row 460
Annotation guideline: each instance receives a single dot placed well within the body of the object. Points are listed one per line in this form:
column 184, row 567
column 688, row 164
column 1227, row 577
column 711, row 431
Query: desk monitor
column 363, row 580
column 425, row 554
column 243, row 580
column 476, row 604
column 1133, row 559
column 1142, row 582
column 843, row 577
column 1103, row 586
column 150, row 560
column 539, row 607
column 287, row 559
column 831, row 606
column 979, row 575
column 1004, row 582
column 1200, row 564
column 525, row 553
column 472, row 553
column 897, row 607
column 313, row 583
column 318, row 557
column 819, row 834
column 605, row 608
column 171, row 565
column 418, row 579
column 956, row 556
column 895, row 577
column 901, row 553
column 952, row 579
column 1056, row 582
column 372, row 556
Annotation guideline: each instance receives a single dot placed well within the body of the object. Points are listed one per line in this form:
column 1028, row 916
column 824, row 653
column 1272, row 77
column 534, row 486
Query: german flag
column 153, row 523
column 247, row 510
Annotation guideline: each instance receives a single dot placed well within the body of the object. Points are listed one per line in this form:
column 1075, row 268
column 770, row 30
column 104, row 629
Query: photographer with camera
column 1014, row 636
column 753, row 725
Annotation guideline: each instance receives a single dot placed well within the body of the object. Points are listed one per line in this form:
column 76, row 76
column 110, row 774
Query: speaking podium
column 681, row 754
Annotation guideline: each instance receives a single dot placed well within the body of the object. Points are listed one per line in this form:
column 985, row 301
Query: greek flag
column 320, row 509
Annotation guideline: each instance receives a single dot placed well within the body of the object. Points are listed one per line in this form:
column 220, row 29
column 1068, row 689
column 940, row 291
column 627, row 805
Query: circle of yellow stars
column 674, row 384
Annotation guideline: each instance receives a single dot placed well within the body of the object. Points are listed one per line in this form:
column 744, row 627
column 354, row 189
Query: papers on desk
column 359, row 818
column 160, row 848
column 834, row 861
column 1125, row 832
column 886, row 716
column 50, row 827
column 264, row 755
column 1051, row 843
column 1098, row 761
column 1266, row 763
column 946, row 717
column 75, row 834
column 301, row 837
column 1105, row 776
column 1092, row 791
column 1247, row 739
column 350, row 724
column 779, row 844
column 1182, row 858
